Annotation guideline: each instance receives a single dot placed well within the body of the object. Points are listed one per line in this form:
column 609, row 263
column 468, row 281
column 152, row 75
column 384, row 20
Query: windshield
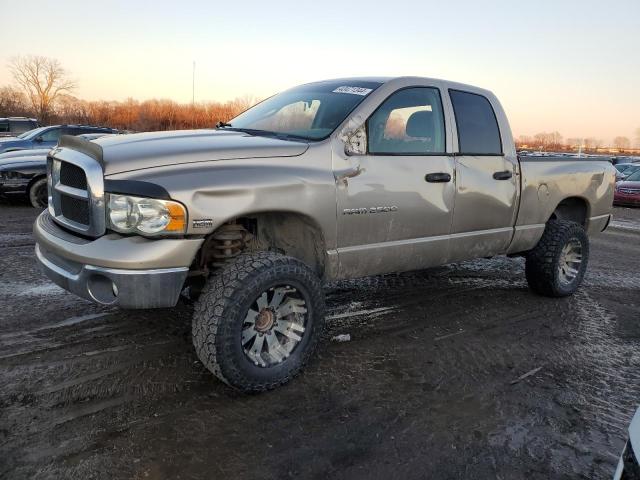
column 634, row 177
column 310, row 112
column 31, row 133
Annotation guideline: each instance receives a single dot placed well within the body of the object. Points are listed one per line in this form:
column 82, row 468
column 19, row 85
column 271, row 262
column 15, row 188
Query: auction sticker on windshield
column 353, row 90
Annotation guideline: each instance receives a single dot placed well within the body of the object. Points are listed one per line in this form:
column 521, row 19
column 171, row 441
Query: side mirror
column 38, row 139
column 355, row 142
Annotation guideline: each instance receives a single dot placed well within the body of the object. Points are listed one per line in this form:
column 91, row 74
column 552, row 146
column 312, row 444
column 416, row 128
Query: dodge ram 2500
column 329, row 180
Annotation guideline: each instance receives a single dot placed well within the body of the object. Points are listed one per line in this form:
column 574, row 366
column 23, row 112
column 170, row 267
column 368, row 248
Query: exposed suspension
column 225, row 244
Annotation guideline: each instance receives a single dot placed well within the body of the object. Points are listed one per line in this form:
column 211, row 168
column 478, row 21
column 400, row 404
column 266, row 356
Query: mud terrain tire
column 228, row 300
column 549, row 269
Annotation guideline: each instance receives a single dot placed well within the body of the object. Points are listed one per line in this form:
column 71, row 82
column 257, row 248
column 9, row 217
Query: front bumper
column 13, row 186
column 626, row 199
column 111, row 286
column 130, row 272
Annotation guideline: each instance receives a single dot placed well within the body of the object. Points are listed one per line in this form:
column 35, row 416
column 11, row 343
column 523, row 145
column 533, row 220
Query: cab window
column 409, row 122
column 478, row 132
column 51, row 135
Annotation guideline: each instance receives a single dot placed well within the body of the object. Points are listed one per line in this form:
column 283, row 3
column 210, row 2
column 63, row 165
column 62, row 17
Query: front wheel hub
column 274, row 325
column 264, row 320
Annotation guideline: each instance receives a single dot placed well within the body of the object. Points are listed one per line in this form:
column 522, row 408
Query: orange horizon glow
column 568, row 67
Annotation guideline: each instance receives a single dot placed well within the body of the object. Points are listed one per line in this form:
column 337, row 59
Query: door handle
column 506, row 175
column 437, row 177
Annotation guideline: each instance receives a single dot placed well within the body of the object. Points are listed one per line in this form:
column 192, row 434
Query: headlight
column 147, row 216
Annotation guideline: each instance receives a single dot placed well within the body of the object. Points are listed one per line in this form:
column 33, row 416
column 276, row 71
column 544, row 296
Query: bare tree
column 43, row 81
column 622, row 143
column 638, row 137
column 13, row 102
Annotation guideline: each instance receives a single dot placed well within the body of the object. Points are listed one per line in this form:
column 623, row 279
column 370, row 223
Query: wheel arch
column 288, row 232
column 34, row 179
column 576, row 209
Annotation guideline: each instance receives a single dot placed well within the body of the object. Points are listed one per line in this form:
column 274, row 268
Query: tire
column 38, row 196
column 226, row 340
column 557, row 264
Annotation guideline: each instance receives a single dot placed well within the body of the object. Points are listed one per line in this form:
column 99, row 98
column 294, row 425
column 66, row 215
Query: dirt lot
column 423, row 390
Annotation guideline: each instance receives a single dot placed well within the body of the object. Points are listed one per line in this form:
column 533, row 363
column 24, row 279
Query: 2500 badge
column 360, row 211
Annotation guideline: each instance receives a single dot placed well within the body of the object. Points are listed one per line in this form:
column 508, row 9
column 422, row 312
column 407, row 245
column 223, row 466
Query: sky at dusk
column 570, row 66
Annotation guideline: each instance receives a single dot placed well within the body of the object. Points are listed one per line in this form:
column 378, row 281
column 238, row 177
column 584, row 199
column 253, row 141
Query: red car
column 628, row 191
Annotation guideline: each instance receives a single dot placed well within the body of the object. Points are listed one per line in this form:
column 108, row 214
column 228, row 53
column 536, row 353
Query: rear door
column 486, row 181
column 395, row 212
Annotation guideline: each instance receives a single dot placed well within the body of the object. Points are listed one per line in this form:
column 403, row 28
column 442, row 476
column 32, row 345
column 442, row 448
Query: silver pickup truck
column 328, row 180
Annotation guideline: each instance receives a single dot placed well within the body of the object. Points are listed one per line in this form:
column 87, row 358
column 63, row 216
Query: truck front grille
column 76, row 196
column 75, row 209
column 72, row 176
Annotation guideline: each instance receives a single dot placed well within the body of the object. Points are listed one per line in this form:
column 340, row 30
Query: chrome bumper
column 155, row 288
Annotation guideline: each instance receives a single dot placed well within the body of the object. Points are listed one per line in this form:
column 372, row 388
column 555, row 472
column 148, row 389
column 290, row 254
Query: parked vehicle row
column 47, row 137
column 23, row 173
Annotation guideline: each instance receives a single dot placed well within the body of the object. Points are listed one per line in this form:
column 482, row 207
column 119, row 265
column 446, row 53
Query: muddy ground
column 423, row 390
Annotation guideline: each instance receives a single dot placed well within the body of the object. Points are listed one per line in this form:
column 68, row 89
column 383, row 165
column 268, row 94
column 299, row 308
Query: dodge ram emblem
column 360, row 211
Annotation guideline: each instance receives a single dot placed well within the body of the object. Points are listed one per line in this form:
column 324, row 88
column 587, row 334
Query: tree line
column 554, row 141
column 131, row 115
column 43, row 89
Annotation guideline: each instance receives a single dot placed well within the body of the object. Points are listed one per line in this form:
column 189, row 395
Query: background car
column 47, row 137
column 14, row 126
column 623, row 170
column 628, row 190
column 629, row 465
column 24, row 173
column 634, row 167
column 623, row 166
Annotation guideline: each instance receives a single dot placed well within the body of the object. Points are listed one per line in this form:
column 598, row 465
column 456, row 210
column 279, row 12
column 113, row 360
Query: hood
column 624, row 184
column 21, row 162
column 123, row 153
column 13, row 143
column 24, row 153
column 8, row 141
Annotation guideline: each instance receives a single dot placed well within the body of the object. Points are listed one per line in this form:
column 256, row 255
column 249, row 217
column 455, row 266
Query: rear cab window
column 478, row 131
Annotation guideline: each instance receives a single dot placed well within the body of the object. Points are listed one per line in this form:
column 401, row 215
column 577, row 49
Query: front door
column 486, row 181
column 395, row 209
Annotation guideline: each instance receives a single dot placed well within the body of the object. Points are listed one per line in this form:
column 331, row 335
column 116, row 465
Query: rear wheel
column 258, row 320
column 38, row 195
column 556, row 266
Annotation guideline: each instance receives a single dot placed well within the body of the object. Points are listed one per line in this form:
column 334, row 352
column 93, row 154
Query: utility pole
column 193, row 96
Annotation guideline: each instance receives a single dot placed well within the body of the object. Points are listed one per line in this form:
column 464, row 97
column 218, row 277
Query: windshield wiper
column 223, row 125
column 268, row 133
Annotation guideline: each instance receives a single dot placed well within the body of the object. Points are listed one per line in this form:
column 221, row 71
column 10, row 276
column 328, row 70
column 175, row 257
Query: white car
column 629, row 464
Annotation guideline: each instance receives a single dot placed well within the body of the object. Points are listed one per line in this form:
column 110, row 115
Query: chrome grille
column 76, row 191
column 75, row 209
column 629, row 190
column 72, row 176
